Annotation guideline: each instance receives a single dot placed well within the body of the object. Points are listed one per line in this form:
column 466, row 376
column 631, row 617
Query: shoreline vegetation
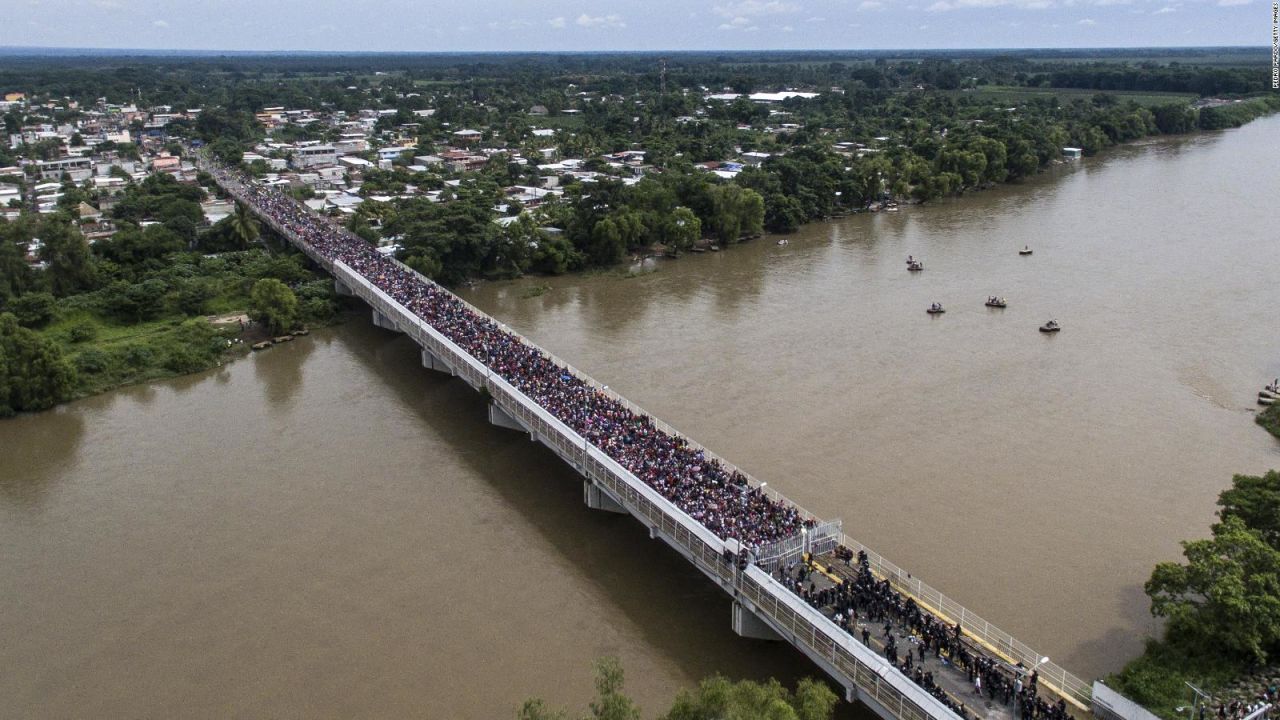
column 159, row 299
column 1269, row 419
column 1222, row 613
column 714, row 698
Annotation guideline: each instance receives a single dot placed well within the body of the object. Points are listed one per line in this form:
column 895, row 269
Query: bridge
column 795, row 587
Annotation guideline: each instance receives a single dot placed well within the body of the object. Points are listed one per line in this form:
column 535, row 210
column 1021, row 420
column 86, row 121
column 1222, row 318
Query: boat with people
column 915, row 267
column 1050, row 327
column 935, row 309
column 1266, row 401
column 1026, row 250
column 997, row 302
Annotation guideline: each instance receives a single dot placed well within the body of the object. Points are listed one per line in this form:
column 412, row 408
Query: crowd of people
column 719, row 498
column 857, row 601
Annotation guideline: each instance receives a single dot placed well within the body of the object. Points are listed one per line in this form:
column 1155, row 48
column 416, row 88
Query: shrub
column 82, row 331
column 33, row 310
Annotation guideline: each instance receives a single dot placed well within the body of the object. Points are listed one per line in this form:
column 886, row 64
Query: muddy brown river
column 327, row 530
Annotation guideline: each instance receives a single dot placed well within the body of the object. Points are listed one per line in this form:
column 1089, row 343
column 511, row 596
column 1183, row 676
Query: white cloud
column 510, row 25
column 160, row 23
column 866, row 5
column 108, row 4
column 1233, row 3
column 815, row 19
column 1165, row 10
column 556, row 22
column 605, row 21
column 1087, row 22
column 751, row 8
column 788, row 28
column 944, row 5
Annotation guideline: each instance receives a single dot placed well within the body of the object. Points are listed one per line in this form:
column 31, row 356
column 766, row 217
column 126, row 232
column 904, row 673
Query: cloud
column 740, row 23
column 1087, row 22
column 944, row 5
column 787, row 28
column 1165, row 10
column 108, row 4
column 556, row 22
column 866, row 5
column 160, row 23
column 815, row 19
column 510, row 25
column 1233, row 3
column 604, row 21
column 752, row 8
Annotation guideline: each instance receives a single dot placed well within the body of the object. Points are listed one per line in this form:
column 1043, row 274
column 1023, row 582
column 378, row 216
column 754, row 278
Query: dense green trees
column 274, row 305
column 715, row 698
column 70, row 265
column 720, row 699
column 33, row 373
column 1222, row 604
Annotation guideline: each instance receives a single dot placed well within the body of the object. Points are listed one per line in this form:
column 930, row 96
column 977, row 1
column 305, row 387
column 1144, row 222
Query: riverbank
column 185, row 316
column 1269, row 419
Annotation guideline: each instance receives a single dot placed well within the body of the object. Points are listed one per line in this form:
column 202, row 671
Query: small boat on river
column 1026, row 250
column 915, row 267
column 1050, row 327
column 935, row 309
column 997, row 302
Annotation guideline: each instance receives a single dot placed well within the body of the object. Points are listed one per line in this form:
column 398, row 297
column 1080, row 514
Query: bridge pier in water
column 598, row 499
column 503, row 419
column 747, row 625
column 431, row 362
column 385, row 322
column 342, row 289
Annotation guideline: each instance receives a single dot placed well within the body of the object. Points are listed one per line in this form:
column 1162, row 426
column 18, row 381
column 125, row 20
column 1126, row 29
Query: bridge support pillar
column 384, row 322
column 502, row 419
column 747, row 625
column 598, row 499
column 431, row 362
column 341, row 288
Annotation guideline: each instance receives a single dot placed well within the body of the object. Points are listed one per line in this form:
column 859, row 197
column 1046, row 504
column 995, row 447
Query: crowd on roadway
column 858, row 602
column 718, row 497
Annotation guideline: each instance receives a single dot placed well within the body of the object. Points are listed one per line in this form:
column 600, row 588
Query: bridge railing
column 663, row 514
column 1052, row 676
column 870, row 673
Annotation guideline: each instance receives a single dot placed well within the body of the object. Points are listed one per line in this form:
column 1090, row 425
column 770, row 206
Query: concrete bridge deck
column 763, row 606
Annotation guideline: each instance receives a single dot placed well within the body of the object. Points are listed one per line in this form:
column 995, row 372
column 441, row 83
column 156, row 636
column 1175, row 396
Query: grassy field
column 1015, row 95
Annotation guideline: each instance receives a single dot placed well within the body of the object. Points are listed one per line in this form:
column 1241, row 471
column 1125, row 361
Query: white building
column 313, row 155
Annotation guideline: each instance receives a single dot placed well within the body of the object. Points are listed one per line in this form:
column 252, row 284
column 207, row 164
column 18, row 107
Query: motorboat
column 997, row 302
column 935, row 309
column 915, row 267
column 1050, row 327
column 783, row 241
column 1026, row 250
column 1266, row 401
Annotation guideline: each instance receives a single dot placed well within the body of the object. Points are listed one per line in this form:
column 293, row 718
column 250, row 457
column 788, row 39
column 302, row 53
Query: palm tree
column 244, row 226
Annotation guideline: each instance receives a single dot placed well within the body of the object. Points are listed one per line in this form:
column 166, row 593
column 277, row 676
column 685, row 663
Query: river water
column 326, row 530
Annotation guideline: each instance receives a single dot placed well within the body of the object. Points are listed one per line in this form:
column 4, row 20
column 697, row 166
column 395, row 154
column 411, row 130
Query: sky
column 585, row 25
